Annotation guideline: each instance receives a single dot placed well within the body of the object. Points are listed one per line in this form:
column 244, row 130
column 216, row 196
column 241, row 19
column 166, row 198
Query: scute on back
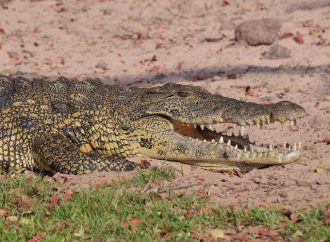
column 63, row 95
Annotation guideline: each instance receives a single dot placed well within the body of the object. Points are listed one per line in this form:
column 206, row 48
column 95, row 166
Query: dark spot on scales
column 182, row 147
column 61, row 107
column 146, row 143
column 225, row 155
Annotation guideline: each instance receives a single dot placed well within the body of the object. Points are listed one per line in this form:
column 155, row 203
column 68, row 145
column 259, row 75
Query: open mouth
column 232, row 137
column 202, row 141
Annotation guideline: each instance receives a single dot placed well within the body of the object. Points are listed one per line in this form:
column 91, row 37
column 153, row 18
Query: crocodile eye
column 183, row 94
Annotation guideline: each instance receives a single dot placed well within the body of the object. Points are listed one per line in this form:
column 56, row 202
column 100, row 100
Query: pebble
column 227, row 25
column 12, row 219
column 283, row 194
column 301, row 183
column 277, row 51
column 101, row 65
column 258, row 32
column 257, row 180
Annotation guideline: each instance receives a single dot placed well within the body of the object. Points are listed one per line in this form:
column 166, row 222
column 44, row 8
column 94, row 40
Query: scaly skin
column 81, row 127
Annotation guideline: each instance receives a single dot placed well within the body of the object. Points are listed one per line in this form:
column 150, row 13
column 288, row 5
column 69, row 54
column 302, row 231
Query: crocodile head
column 174, row 122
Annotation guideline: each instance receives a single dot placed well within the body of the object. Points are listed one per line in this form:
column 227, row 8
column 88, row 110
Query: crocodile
column 78, row 127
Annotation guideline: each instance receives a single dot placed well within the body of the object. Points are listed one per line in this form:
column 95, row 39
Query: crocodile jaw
column 200, row 146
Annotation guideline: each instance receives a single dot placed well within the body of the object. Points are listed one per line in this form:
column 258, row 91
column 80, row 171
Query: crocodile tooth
column 229, row 143
column 270, row 147
column 236, row 147
column 202, row 126
column 251, row 148
column 245, row 148
column 213, row 140
column 284, row 144
column 258, row 125
column 204, row 140
column 292, row 123
column 221, row 140
column 295, row 147
column 299, row 145
column 195, row 126
column 246, row 154
column 241, row 130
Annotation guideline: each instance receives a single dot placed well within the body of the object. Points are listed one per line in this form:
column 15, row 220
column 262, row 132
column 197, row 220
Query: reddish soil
column 145, row 43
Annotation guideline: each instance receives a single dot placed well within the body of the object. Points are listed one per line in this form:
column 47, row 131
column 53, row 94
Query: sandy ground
column 144, row 43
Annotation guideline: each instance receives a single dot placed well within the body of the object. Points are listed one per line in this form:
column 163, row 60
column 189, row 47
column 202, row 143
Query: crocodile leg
column 56, row 153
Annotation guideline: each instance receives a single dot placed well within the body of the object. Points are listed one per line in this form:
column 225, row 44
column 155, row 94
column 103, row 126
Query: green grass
column 156, row 174
column 43, row 210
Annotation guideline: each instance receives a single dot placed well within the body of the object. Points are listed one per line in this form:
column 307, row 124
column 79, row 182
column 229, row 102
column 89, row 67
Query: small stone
column 283, row 194
column 227, row 25
column 258, row 32
column 302, row 183
column 12, row 54
column 231, row 76
column 257, row 180
column 101, row 65
column 2, row 212
column 107, row 11
column 277, row 51
column 12, row 219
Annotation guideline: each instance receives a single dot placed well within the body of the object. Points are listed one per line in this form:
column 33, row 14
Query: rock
column 283, row 194
column 101, row 65
column 258, row 32
column 303, row 183
column 13, row 54
column 277, row 51
column 308, row 5
column 227, row 25
column 12, row 219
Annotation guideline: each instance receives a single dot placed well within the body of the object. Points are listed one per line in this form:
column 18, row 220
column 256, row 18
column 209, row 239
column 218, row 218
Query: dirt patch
column 149, row 42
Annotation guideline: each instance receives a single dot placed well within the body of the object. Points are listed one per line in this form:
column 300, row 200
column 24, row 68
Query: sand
column 146, row 43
